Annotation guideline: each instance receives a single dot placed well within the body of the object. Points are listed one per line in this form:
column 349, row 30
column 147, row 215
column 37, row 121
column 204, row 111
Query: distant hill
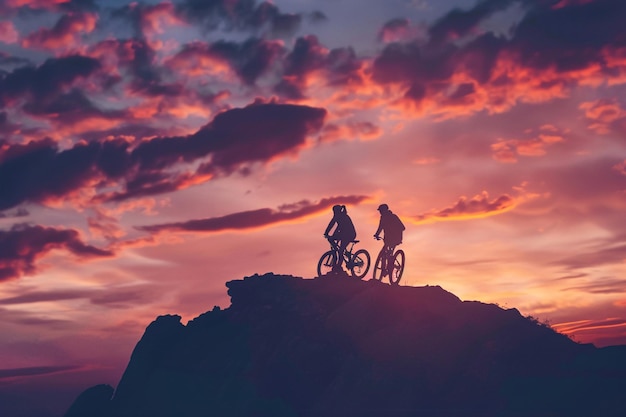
column 337, row 346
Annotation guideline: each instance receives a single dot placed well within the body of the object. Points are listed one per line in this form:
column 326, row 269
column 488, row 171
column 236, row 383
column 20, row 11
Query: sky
column 152, row 151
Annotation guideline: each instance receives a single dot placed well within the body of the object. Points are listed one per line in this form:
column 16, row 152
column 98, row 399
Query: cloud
column 35, row 371
column 8, row 33
column 148, row 20
column 20, row 212
column 71, row 108
column 39, row 171
column 459, row 23
column 111, row 297
column 242, row 15
column 45, row 296
column 308, row 58
column 604, row 285
column 395, row 30
column 462, row 69
column 594, row 258
column 47, row 80
column 605, row 116
column 250, row 59
column 22, row 245
column 584, row 325
column 51, row 5
column 253, row 219
column 476, row 207
column 66, row 33
column 507, row 150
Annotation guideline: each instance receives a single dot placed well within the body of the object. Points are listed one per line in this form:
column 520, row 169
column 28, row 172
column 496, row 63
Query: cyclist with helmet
column 391, row 225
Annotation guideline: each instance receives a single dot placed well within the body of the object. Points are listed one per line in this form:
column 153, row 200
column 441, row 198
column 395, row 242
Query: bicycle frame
column 389, row 262
column 357, row 262
column 347, row 253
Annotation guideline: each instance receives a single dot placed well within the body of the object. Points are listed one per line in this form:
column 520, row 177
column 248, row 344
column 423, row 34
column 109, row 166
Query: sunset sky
column 152, row 151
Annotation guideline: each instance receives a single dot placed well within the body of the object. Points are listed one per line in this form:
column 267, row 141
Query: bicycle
column 390, row 264
column 358, row 263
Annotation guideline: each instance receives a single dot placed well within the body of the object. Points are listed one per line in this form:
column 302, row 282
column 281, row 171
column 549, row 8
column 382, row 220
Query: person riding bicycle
column 391, row 224
column 344, row 232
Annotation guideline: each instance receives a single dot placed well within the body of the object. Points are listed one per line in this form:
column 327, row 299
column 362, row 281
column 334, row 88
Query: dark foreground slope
column 334, row 346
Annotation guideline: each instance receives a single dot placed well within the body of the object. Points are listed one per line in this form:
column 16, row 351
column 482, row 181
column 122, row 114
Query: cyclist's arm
column 330, row 226
column 380, row 228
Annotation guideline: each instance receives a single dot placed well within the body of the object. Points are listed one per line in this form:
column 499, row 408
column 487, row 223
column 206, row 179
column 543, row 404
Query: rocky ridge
column 336, row 346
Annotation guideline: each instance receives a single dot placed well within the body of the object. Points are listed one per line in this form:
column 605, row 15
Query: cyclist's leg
column 389, row 248
column 343, row 243
column 337, row 240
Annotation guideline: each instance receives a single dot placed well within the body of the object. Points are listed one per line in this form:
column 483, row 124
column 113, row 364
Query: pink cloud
column 475, row 207
column 507, row 150
column 66, row 33
column 493, row 74
column 604, row 115
column 8, row 33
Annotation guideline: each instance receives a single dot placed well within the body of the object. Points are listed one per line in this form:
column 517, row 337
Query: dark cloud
column 317, row 16
column 250, row 59
column 598, row 257
column 135, row 61
column 122, row 297
column 12, row 7
column 71, row 107
column 605, row 285
column 69, row 26
column 459, row 23
column 22, row 245
column 478, row 206
column 568, row 39
column 20, row 212
column 47, row 80
column 39, row 171
column 240, row 15
column 47, row 296
column 393, row 30
column 256, row 218
column 35, row 371
column 340, row 66
column 7, row 60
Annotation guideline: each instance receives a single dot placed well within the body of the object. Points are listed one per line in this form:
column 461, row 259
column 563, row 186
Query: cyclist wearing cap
column 391, row 224
column 344, row 232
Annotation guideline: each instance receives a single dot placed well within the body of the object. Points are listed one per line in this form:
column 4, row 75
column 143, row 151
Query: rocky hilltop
column 336, row 346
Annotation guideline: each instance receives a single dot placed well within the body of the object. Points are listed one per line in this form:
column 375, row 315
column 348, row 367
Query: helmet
column 383, row 208
column 337, row 208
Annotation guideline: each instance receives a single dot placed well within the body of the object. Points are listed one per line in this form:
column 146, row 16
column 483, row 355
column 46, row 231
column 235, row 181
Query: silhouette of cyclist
column 391, row 224
column 344, row 231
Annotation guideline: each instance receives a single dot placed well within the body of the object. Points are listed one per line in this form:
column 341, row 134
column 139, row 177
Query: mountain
column 337, row 346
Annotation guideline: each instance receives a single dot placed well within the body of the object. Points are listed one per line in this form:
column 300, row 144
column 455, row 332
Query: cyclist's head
column 383, row 208
column 337, row 208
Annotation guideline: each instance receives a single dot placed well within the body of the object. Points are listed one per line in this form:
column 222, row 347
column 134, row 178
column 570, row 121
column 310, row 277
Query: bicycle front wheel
column 379, row 266
column 326, row 263
column 398, row 267
column 360, row 263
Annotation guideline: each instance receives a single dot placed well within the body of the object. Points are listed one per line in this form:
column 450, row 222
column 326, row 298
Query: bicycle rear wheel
column 326, row 263
column 379, row 266
column 360, row 263
column 398, row 267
